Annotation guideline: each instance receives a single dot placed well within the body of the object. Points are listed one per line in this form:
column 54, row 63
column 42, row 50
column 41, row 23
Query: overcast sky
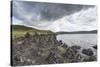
column 54, row 17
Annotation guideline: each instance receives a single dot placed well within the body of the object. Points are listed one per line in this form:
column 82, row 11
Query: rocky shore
column 46, row 49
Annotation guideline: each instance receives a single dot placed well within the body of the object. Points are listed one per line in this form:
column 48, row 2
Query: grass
column 20, row 31
column 17, row 34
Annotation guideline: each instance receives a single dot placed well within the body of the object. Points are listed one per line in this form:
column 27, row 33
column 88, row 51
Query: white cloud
column 16, row 21
column 84, row 20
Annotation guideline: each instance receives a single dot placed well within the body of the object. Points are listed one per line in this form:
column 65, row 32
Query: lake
column 83, row 40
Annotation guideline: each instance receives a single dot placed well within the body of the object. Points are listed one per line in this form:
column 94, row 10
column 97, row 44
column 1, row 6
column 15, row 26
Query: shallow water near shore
column 83, row 40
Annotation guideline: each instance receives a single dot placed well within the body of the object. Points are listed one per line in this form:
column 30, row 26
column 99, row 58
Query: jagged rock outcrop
column 45, row 49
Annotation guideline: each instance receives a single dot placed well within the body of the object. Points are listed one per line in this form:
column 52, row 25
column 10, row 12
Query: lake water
column 83, row 40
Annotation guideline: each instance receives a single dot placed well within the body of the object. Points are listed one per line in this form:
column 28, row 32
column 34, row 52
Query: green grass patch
column 20, row 31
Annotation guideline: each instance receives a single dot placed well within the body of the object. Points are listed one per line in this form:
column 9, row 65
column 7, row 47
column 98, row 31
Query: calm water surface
column 83, row 40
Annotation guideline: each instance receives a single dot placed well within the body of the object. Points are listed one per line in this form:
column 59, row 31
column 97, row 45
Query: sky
column 54, row 16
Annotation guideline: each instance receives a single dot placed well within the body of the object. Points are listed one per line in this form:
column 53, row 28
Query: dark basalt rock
column 95, row 47
column 91, row 58
column 88, row 52
column 65, row 45
column 75, row 48
column 72, row 56
column 77, row 58
column 60, row 41
column 69, row 54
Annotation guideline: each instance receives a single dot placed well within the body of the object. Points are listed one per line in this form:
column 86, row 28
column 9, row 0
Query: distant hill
column 25, row 28
column 20, row 27
column 20, row 30
column 78, row 32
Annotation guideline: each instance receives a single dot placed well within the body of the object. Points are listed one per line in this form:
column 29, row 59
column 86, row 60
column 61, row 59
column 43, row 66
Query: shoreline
column 46, row 49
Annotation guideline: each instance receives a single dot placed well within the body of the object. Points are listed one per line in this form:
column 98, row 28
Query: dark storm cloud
column 37, row 11
column 54, row 16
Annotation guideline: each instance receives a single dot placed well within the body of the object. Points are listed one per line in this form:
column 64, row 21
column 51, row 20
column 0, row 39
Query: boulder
column 75, row 48
column 88, row 52
column 60, row 42
column 95, row 46
column 91, row 58
column 65, row 45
